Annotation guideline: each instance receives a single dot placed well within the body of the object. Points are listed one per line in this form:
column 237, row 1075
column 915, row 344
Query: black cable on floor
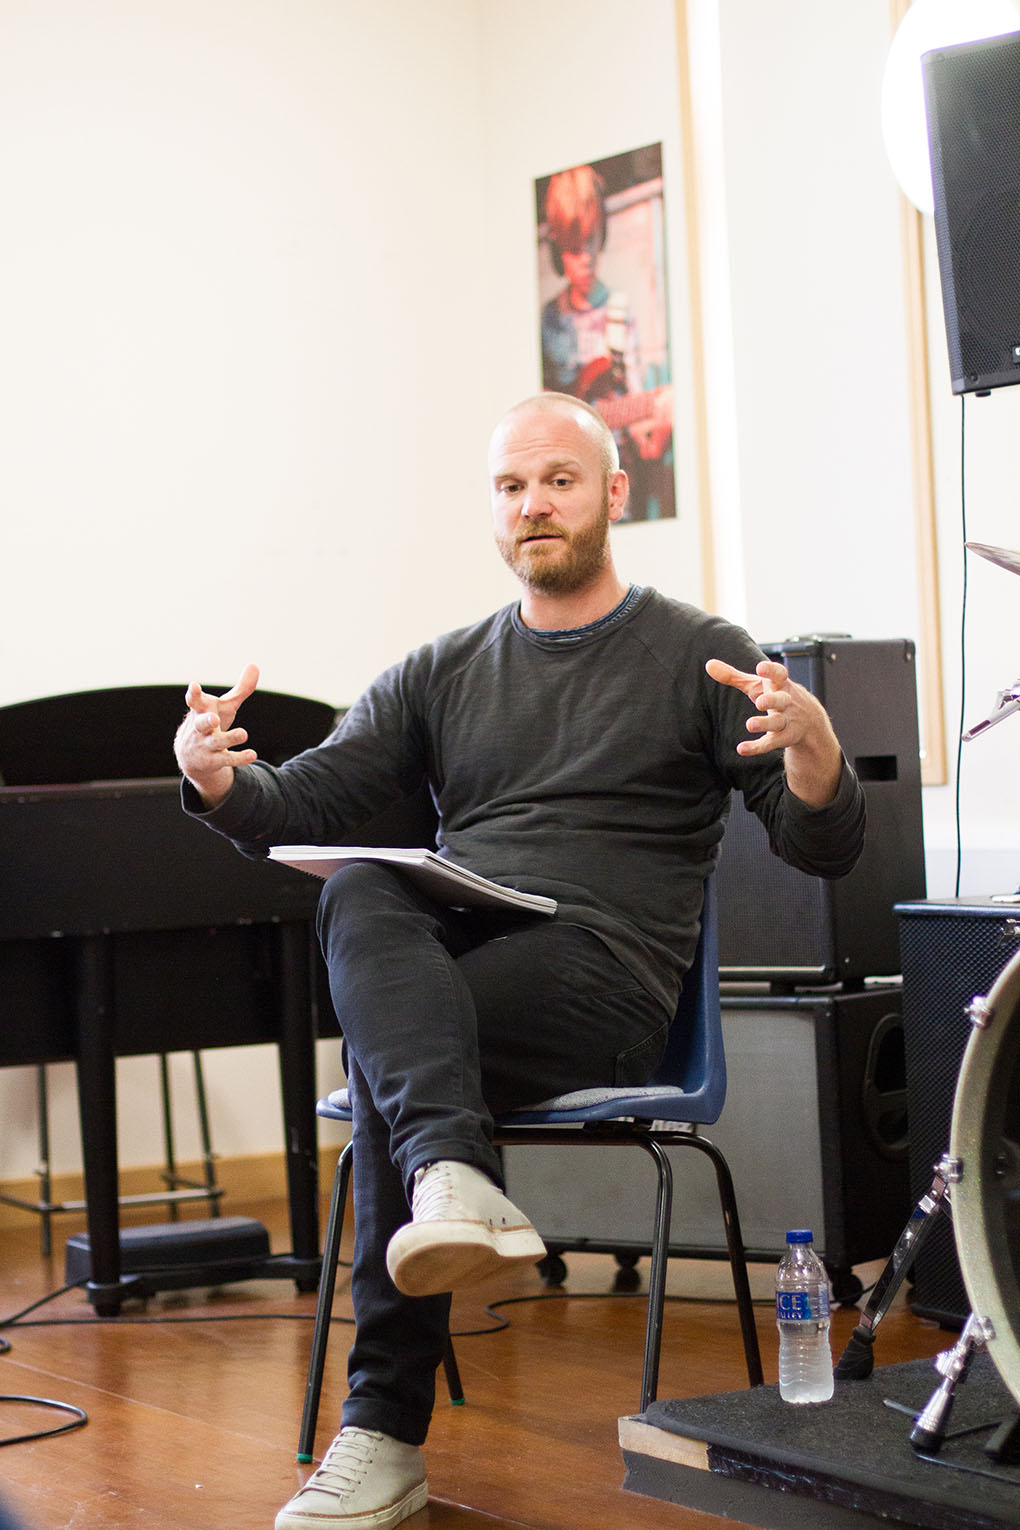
column 79, row 1418
column 17, row 1319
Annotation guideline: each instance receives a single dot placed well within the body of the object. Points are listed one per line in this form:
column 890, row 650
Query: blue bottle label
column 802, row 1306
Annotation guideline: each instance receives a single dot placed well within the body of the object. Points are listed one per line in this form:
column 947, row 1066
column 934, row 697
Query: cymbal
column 1003, row 556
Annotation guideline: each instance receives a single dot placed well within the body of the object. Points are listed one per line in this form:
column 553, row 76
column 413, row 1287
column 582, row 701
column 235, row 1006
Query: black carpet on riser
column 853, row 1451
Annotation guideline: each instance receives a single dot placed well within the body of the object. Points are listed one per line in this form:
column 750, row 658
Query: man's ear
column 619, row 493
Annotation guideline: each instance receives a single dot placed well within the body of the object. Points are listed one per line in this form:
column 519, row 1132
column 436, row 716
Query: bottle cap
column 800, row 1235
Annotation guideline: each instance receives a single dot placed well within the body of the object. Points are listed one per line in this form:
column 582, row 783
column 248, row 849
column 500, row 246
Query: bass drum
column 985, row 1140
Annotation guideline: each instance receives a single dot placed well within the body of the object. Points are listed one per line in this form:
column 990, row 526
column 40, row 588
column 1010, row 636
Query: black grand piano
column 127, row 928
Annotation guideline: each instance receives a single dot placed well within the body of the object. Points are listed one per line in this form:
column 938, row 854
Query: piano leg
column 297, row 951
column 97, row 1093
column 97, row 1099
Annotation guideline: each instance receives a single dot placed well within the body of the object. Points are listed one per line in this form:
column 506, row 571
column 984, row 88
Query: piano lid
column 126, row 733
column 92, row 834
column 122, row 855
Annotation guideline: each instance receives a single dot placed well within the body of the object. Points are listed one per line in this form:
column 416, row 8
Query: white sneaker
column 462, row 1229
column 367, row 1481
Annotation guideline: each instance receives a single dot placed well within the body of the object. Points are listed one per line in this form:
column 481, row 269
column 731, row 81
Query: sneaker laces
column 434, row 1195
column 345, row 1463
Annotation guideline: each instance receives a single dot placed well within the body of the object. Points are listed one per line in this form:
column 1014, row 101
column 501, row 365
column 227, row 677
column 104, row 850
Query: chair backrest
column 695, row 1060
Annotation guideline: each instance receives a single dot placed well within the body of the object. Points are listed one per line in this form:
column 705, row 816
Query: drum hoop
column 977, row 1126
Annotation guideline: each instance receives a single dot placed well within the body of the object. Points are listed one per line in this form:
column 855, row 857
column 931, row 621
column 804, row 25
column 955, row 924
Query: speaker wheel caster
column 847, row 1288
column 628, row 1277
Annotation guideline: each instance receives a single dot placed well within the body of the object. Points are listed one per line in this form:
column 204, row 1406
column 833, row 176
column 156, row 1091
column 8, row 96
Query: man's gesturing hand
column 207, row 743
column 790, row 718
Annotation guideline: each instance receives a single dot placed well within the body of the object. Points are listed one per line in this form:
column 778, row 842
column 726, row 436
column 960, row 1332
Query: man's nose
column 535, row 502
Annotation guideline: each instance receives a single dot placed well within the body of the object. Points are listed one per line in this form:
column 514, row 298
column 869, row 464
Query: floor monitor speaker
column 973, row 107
column 952, row 951
column 778, row 924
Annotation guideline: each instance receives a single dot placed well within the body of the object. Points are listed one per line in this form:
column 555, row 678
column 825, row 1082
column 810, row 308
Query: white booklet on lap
column 445, row 881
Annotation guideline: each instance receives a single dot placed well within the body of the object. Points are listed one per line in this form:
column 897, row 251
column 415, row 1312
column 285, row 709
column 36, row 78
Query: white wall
column 244, row 399
column 240, row 272
column 818, row 328
column 270, row 275
column 819, row 423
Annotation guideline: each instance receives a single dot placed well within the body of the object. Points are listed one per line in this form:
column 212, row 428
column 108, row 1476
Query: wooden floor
column 192, row 1425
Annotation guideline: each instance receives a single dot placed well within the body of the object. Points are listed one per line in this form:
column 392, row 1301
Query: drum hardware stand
column 929, row 1429
column 858, row 1359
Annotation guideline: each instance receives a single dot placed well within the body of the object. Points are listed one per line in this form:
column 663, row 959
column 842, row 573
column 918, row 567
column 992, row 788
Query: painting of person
column 604, row 325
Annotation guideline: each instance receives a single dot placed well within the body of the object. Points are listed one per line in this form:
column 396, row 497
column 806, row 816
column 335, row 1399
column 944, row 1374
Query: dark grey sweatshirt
column 596, row 771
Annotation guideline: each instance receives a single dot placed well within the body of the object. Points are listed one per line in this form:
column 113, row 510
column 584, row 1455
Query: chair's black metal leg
column 660, row 1254
column 657, row 1274
column 452, row 1374
column 324, row 1305
column 738, row 1259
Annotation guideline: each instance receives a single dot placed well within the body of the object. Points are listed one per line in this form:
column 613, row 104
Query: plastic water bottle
column 802, row 1317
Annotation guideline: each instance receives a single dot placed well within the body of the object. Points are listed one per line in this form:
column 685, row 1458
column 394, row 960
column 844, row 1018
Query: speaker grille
column 949, row 956
column 990, row 273
column 781, row 925
column 771, row 917
column 971, row 93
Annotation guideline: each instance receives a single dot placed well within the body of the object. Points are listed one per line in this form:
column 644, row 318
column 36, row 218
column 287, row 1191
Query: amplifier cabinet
column 778, row 924
column 952, row 950
column 813, row 1129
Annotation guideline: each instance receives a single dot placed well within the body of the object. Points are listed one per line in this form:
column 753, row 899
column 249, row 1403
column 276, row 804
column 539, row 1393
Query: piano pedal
column 166, row 1256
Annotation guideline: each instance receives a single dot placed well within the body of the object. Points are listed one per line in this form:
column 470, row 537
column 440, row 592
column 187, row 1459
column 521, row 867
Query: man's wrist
column 814, row 775
column 210, row 798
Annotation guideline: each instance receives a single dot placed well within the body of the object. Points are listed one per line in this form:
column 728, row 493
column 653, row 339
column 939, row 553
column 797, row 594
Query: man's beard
column 587, row 555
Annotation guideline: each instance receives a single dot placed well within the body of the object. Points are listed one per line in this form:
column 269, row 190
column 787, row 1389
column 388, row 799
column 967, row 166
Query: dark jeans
column 449, row 1018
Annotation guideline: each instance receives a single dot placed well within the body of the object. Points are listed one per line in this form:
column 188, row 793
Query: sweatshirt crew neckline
column 571, row 637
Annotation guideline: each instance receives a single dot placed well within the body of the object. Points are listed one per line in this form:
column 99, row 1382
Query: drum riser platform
column 750, row 1457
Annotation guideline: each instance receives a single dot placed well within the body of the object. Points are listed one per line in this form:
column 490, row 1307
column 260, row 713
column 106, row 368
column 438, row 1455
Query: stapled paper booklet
column 445, row 881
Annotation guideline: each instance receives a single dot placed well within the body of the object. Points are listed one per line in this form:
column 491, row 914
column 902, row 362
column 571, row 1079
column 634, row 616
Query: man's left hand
column 788, row 717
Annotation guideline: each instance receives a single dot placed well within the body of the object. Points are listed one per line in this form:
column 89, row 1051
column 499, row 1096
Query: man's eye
column 562, row 482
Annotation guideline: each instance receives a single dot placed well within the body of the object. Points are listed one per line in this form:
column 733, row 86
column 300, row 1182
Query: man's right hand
column 206, row 743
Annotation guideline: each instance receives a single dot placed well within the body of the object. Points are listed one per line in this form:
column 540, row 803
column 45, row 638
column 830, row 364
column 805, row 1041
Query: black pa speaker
column 952, row 952
column 777, row 924
column 972, row 97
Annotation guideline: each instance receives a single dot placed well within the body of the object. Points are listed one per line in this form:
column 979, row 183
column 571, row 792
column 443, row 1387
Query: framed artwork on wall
column 604, row 312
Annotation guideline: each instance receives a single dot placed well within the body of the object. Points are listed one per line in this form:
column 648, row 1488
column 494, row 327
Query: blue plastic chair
column 688, row 1087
